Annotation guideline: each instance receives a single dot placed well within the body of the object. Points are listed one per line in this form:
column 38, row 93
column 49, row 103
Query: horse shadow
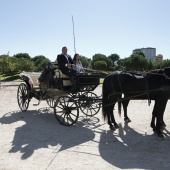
column 39, row 129
column 129, row 149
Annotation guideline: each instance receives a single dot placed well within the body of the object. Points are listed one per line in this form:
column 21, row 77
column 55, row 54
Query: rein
column 103, row 71
column 131, row 97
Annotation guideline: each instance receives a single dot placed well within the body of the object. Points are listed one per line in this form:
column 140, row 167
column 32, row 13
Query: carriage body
column 60, row 91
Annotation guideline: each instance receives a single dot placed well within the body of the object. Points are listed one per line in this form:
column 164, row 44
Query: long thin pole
column 74, row 35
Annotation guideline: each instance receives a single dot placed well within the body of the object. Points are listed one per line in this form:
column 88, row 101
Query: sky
column 43, row 27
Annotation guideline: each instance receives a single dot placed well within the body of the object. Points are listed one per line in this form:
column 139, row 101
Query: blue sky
column 43, row 27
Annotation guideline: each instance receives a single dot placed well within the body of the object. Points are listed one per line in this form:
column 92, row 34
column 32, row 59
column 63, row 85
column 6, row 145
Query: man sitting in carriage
column 65, row 63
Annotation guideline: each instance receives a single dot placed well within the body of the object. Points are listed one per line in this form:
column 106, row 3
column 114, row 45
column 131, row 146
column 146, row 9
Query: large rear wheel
column 66, row 110
column 23, row 97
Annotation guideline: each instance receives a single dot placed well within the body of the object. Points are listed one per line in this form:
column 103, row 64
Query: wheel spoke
column 64, row 115
column 73, row 114
column 60, row 112
column 59, row 107
column 71, row 118
column 22, row 97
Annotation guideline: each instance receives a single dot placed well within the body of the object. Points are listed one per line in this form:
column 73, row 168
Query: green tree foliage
column 6, row 64
column 114, row 57
column 24, row 64
column 85, row 61
column 100, row 65
column 101, row 57
column 136, row 62
column 40, row 62
column 22, row 55
column 141, row 54
column 165, row 63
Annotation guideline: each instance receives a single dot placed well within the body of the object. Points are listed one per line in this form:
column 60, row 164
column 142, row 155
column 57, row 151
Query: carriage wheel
column 23, row 97
column 88, row 104
column 51, row 102
column 66, row 110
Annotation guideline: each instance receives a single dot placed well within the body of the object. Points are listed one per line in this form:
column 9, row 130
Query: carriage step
column 37, row 104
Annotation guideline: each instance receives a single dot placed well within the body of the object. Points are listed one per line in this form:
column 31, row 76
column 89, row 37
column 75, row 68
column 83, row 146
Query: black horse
column 154, row 85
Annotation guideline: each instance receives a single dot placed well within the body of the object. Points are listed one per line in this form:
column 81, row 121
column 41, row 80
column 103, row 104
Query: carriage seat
column 65, row 78
column 59, row 74
column 34, row 78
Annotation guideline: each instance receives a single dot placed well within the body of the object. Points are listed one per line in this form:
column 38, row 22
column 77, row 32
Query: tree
column 85, row 61
column 114, row 57
column 40, row 62
column 141, row 54
column 6, row 64
column 100, row 65
column 165, row 63
column 136, row 62
column 101, row 57
column 24, row 64
column 22, row 55
column 38, row 57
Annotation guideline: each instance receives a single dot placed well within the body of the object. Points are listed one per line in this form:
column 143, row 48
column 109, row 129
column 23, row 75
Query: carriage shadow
column 39, row 129
column 129, row 149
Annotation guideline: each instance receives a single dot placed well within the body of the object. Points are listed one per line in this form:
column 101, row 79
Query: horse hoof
column 152, row 126
column 161, row 135
column 163, row 124
column 127, row 120
column 116, row 126
column 112, row 128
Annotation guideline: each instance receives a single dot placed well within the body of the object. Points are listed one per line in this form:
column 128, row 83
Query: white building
column 149, row 52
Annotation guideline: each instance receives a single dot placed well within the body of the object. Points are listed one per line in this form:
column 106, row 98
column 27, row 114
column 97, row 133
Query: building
column 159, row 58
column 149, row 52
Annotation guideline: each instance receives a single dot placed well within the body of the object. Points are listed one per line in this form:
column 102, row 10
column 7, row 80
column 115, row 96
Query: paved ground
column 34, row 139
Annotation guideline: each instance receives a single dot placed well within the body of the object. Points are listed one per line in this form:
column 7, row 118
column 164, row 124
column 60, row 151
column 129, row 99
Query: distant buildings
column 149, row 52
column 159, row 58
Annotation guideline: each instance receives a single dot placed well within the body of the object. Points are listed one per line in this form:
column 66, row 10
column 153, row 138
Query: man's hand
column 70, row 65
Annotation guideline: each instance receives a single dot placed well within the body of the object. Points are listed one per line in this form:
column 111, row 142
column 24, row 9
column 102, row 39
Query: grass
column 9, row 77
column 101, row 80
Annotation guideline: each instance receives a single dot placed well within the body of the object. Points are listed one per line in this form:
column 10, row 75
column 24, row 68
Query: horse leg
column 125, row 104
column 111, row 120
column 162, row 121
column 153, row 121
column 158, row 112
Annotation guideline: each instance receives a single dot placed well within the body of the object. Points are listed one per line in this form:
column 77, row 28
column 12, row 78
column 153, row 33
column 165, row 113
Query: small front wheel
column 89, row 104
column 23, row 97
column 66, row 110
column 51, row 102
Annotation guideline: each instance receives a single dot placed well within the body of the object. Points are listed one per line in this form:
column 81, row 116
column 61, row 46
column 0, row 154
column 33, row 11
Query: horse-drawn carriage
column 66, row 95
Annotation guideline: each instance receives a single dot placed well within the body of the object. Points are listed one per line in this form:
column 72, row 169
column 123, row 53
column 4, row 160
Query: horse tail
column 105, row 99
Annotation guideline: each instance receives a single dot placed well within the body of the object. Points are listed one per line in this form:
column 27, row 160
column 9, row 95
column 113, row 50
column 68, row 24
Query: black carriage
column 66, row 95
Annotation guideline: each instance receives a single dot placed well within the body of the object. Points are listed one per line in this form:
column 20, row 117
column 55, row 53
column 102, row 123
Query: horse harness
column 146, row 85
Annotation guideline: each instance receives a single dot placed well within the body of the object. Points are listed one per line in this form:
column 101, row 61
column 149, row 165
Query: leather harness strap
column 120, row 82
column 147, row 88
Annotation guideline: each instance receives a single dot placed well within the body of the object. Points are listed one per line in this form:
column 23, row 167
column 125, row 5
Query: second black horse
column 153, row 85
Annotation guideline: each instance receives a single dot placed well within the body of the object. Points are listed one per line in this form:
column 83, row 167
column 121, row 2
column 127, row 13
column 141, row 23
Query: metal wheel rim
column 23, row 97
column 66, row 111
column 91, row 109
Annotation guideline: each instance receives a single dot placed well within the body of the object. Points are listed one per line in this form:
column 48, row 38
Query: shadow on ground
column 130, row 149
column 40, row 129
